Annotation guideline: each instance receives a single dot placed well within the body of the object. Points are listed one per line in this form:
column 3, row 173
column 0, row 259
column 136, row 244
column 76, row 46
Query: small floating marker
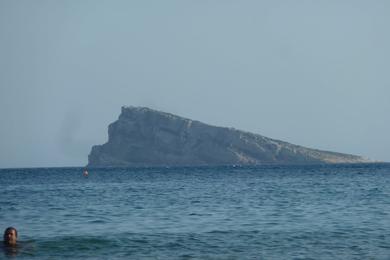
column 85, row 173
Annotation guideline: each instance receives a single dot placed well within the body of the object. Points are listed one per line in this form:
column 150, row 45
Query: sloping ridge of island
column 146, row 137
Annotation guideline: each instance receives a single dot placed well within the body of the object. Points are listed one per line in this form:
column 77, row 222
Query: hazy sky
column 313, row 73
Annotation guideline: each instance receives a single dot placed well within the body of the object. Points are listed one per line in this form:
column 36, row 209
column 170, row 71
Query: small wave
column 97, row 221
column 70, row 242
column 232, row 232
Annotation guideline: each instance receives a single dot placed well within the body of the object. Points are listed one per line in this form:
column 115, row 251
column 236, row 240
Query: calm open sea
column 266, row 212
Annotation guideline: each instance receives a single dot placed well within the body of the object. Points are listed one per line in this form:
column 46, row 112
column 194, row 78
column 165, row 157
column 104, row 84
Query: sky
column 312, row 73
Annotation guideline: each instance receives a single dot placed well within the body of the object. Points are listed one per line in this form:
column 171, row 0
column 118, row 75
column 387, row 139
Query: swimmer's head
column 10, row 236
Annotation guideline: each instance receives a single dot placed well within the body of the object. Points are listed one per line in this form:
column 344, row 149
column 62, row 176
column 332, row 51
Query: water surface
column 265, row 212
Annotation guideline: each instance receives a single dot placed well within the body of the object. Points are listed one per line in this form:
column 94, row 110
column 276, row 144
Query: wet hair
column 9, row 229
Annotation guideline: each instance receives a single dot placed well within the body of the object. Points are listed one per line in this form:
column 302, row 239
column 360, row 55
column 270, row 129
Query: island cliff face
column 146, row 137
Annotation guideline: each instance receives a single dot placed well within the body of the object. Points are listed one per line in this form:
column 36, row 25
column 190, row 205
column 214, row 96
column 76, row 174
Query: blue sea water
column 264, row 212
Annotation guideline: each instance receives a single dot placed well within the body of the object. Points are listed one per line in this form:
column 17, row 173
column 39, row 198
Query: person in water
column 10, row 236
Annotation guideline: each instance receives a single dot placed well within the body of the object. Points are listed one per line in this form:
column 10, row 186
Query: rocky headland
column 146, row 137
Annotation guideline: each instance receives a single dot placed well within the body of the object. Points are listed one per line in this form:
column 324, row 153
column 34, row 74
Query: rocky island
column 146, row 137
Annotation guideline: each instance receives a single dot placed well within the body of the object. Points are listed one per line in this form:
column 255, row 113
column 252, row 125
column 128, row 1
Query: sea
column 337, row 211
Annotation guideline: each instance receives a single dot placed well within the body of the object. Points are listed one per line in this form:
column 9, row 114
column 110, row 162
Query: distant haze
column 313, row 73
